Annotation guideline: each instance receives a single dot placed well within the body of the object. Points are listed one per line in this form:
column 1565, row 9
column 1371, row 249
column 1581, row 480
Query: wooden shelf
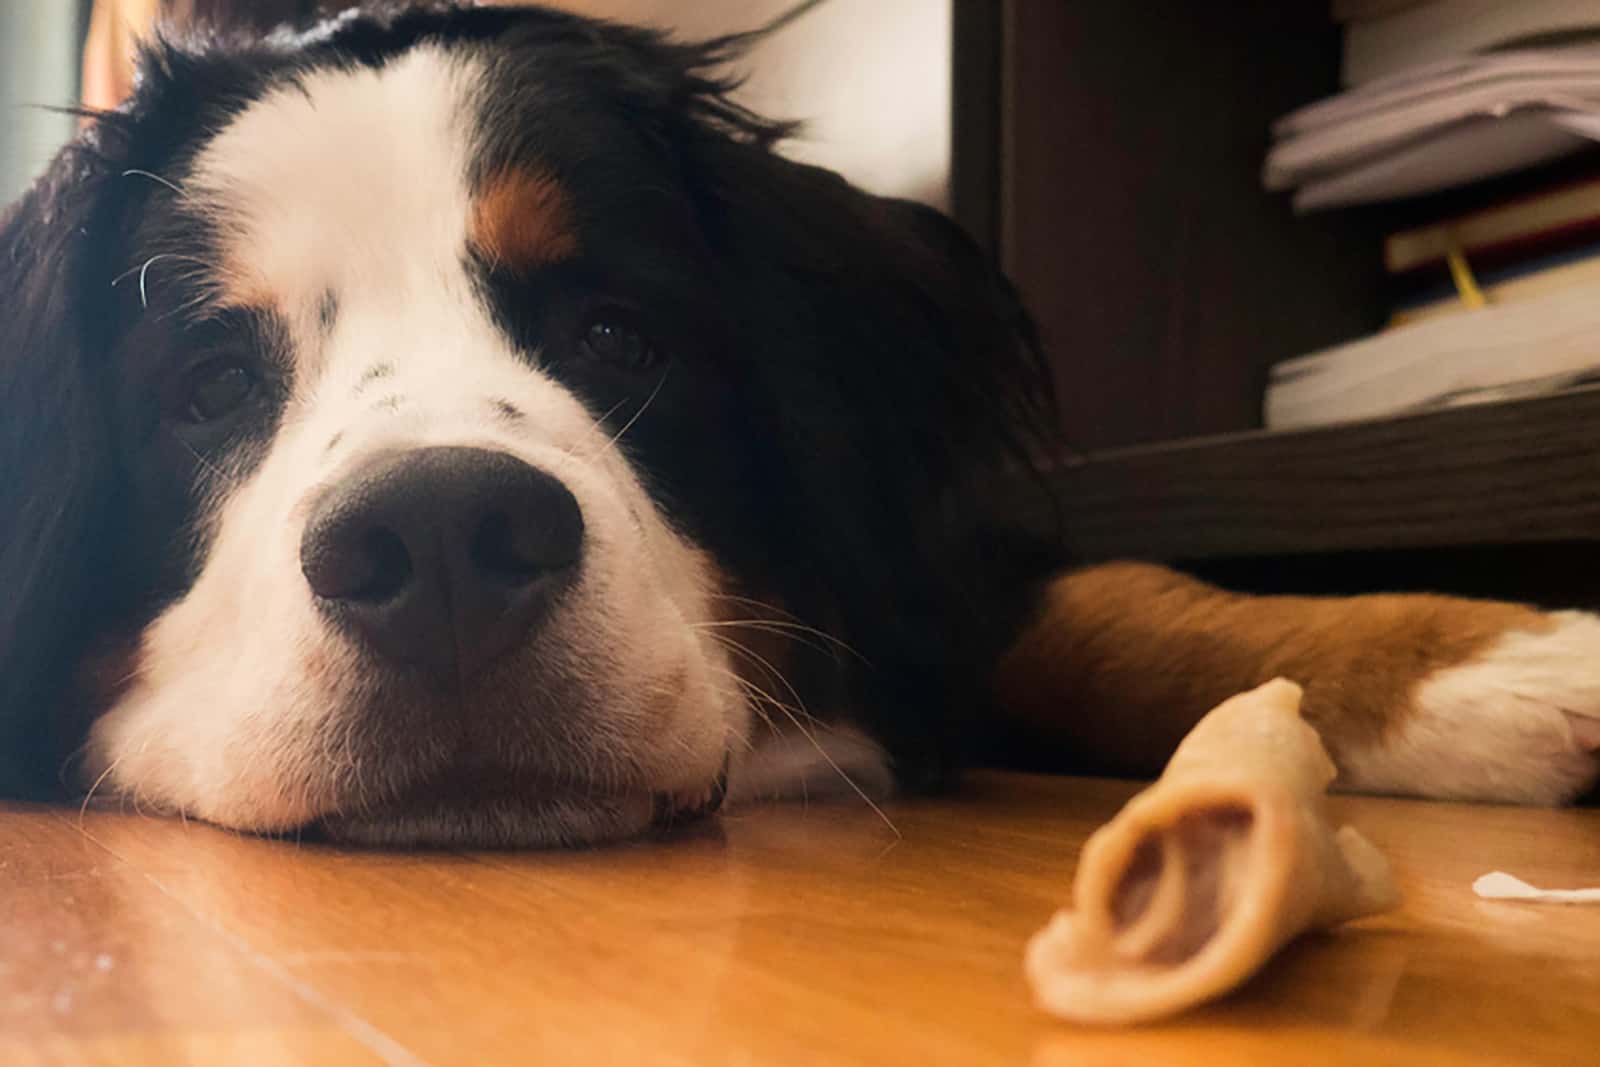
column 1517, row 472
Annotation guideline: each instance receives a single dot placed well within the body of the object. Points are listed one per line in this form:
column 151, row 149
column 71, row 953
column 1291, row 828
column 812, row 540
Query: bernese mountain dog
column 451, row 425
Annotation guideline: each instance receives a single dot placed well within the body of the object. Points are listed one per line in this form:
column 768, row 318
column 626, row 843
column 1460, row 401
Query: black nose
column 442, row 557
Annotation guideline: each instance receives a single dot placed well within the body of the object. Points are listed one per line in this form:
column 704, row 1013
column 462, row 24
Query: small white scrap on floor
column 1498, row 885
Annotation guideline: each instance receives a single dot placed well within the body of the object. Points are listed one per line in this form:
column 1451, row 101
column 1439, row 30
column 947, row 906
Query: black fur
column 863, row 379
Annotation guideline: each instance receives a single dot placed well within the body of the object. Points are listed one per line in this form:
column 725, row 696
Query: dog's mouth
column 462, row 811
column 676, row 809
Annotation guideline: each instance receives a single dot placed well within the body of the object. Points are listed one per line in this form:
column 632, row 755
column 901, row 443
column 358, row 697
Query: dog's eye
column 614, row 335
column 216, row 389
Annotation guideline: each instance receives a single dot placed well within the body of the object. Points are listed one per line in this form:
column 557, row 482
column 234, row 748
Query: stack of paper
column 1384, row 37
column 1440, row 125
column 1491, row 353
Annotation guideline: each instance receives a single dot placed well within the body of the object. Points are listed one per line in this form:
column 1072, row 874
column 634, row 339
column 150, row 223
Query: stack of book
column 1516, row 251
column 1502, row 299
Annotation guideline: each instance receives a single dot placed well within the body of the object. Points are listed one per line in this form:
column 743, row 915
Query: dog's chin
column 510, row 817
column 500, row 822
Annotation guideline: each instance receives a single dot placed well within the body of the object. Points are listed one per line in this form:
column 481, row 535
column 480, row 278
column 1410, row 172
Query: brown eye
column 217, row 389
column 615, row 337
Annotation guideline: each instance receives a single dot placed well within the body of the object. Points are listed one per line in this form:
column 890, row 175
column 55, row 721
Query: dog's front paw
column 1518, row 722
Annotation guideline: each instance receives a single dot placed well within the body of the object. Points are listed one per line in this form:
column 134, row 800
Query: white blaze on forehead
column 343, row 181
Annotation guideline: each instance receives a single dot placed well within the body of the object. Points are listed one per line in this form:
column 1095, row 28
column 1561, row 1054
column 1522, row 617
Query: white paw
column 1519, row 723
column 819, row 761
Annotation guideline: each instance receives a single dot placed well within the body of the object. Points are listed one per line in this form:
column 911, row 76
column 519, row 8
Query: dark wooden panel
column 1164, row 279
column 1513, row 473
column 1561, row 574
column 975, row 55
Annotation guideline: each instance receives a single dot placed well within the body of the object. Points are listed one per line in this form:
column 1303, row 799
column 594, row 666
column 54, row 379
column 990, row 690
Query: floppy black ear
column 909, row 330
column 910, row 398
column 56, row 490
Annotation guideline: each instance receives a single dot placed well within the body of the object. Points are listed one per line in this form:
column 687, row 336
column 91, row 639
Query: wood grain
column 99, row 964
column 1164, row 280
column 1517, row 472
column 789, row 935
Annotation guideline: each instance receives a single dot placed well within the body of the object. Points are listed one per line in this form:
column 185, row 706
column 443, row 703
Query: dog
column 453, row 426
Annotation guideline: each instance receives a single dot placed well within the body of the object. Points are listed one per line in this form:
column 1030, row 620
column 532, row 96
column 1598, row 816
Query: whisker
column 757, row 603
column 204, row 462
column 83, row 809
column 610, row 411
column 767, row 666
column 158, row 179
column 143, row 271
column 195, row 304
column 794, row 715
column 756, row 700
column 757, row 626
column 747, row 692
column 828, row 758
column 597, row 422
column 651, row 399
column 134, row 675
column 789, row 618
column 780, row 627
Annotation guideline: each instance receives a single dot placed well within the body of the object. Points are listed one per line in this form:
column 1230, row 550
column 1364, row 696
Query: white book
column 1456, row 155
column 1330, row 149
column 1485, row 354
column 1443, row 28
column 1549, row 67
column 1445, row 124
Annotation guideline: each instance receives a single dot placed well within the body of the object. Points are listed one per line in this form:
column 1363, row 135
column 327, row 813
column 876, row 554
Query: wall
column 871, row 77
column 38, row 66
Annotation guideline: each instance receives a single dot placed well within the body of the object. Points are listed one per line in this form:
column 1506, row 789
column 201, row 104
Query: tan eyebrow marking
column 522, row 218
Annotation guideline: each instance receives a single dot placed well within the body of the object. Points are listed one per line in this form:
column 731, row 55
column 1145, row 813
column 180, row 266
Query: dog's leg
column 1422, row 695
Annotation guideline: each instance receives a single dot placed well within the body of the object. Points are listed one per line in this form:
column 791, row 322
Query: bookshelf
column 1121, row 190
column 1519, row 472
column 1128, row 208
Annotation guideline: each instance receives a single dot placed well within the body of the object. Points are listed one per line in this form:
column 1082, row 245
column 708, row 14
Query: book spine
column 1493, row 244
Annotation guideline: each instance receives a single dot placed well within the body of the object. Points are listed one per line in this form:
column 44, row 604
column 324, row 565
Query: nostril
column 385, row 568
column 369, row 565
column 499, row 554
column 515, row 549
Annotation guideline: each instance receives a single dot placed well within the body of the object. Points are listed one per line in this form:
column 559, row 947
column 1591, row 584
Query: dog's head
column 408, row 428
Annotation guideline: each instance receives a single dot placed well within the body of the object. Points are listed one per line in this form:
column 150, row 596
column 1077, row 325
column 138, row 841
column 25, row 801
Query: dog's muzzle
column 442, row 559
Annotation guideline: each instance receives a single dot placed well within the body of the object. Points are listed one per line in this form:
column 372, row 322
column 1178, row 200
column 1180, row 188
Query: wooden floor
column 785, row 936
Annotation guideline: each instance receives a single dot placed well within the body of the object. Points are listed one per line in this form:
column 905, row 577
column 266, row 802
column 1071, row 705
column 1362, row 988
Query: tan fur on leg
column 1427, row 695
